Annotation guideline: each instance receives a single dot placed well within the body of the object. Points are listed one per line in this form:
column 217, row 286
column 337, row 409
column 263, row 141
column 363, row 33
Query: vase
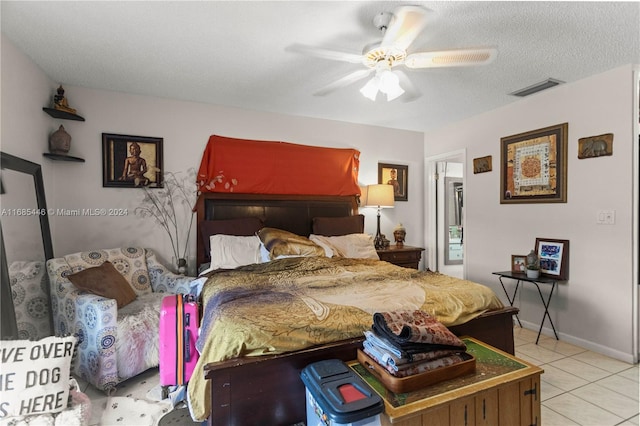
column 533, row 273
column 180, row 265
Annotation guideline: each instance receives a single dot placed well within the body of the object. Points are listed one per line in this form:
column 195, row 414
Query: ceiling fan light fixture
column 370, row 90
column 385, row 81
column 394, row 93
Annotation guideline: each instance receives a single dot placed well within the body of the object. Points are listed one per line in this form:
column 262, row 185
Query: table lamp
column 380, row 196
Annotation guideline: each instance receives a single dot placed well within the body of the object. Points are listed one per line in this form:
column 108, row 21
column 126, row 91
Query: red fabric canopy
column 268, row 167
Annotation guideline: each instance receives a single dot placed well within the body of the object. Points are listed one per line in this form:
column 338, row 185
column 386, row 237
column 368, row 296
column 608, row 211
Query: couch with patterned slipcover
column 114, row 343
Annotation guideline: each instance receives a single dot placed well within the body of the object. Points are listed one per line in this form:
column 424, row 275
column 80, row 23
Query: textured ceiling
column 233, row 53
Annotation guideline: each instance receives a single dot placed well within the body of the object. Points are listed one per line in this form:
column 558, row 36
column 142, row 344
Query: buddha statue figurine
column 399, row 234
column 60, row 102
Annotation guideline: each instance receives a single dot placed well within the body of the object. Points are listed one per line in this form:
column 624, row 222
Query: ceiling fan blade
column 406, row 24
column 320, row 52
column 411, row 93
column 343, row 82
column 451, row 58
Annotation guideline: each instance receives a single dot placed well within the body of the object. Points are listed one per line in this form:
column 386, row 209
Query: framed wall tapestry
column 131, row 161
column 554, row 257
column 533, row 166
column 396, row 175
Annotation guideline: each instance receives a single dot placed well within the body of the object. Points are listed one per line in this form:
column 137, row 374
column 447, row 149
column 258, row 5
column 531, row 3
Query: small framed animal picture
column 482, row 165
column 595, row 146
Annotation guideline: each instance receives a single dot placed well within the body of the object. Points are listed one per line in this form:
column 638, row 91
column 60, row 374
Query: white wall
column 594, row 307
column 185, row 127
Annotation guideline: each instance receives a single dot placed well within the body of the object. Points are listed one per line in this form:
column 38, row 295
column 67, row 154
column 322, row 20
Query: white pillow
column 319, row 240
column 355, row 246
column 230, row 251
column 265, row 256
column 35, row 375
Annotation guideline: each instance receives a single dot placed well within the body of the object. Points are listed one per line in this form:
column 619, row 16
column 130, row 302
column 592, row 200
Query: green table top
column 490, row 363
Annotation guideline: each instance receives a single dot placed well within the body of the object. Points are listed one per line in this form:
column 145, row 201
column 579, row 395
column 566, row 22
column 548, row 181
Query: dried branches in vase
column 172, row 208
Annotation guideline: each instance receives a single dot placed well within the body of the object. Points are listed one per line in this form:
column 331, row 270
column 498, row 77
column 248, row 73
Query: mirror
column 25, row 243
column 453, row 221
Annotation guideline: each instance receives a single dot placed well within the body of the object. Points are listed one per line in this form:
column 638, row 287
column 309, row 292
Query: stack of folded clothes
column 411, row 342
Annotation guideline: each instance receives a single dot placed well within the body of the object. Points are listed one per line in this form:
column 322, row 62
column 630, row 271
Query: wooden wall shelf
column 56, row 113
column 61, row 157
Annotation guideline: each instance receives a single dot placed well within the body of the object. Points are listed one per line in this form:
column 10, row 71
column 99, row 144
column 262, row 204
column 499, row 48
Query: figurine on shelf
column 60, row 141
column 60, row 102
column 399, row 234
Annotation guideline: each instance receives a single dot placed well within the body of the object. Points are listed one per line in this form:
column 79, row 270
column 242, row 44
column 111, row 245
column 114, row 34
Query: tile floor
column 579, row 387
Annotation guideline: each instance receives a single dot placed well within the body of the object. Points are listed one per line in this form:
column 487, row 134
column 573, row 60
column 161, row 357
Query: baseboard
column 587, row 344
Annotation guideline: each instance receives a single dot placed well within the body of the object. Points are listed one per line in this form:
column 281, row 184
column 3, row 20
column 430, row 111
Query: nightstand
column 406, row 256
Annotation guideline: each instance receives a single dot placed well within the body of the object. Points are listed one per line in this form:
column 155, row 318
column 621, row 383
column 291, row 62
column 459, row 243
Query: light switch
column 606, row 217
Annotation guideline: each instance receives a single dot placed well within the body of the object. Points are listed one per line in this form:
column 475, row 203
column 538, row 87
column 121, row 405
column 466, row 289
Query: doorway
column 445, row 213
column 636, row 217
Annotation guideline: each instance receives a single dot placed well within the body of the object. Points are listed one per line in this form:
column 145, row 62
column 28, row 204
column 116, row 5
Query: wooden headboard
column 293, row 213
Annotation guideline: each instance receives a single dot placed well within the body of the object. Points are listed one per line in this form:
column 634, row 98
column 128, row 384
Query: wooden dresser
column 503, row 391
column 406, row 256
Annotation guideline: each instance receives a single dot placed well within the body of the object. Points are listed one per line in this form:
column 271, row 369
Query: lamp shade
column 364, row 192
column 380, row 196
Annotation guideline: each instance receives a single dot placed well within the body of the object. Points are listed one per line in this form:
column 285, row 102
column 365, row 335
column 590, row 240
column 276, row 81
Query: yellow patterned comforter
column 294, row 303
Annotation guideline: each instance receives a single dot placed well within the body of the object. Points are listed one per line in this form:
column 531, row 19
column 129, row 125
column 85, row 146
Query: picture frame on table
column 396, row 175
column 554, row 258
column 533, row 166
column 131, row 161
column 518, row 263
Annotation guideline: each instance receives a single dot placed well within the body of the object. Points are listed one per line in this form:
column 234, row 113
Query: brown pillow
column 241, row 227
column 105, row 281
column 336, row 226
column 283, row 243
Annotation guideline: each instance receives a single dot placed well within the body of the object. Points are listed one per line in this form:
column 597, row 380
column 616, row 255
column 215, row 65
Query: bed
column 267, row 389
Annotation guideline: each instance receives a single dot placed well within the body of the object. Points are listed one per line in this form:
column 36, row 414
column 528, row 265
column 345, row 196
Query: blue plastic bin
column 336, row 396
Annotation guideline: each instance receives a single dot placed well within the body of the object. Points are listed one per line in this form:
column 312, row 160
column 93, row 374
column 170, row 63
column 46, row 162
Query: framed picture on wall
column 534, row 166
column 131, row 161
column 554, row 257
column 396, row 175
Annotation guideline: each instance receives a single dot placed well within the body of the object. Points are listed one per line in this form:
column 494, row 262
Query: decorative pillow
column 105, row 281
column 230, row 251
column 355, row 246
column 332, row 226
column 131, row 262
column 35, row 375
column 284, row 243
column 245, row 226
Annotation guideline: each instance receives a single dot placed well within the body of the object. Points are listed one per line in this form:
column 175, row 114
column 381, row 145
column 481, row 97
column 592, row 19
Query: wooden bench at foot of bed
column 268, row 390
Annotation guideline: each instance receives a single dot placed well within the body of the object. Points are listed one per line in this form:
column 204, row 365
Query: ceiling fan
column 383, row 59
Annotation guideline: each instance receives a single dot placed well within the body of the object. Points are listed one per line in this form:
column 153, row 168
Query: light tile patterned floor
column 579, row 387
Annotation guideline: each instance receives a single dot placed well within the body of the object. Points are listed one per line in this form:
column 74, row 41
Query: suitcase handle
column 187, row 345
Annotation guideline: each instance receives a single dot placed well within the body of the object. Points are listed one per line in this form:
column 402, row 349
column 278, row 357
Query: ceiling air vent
column 548, row 83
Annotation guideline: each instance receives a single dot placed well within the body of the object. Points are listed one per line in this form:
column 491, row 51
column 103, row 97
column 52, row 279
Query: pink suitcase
column 179, row 324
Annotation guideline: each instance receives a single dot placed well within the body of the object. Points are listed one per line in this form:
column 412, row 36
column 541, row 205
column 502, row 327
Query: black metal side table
column 522, row 277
